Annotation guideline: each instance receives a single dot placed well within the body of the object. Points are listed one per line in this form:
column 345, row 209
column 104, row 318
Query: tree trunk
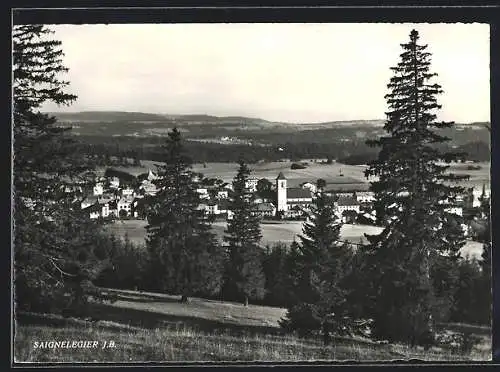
column 246, row 301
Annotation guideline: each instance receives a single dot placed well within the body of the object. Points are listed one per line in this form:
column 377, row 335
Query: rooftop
column 281, row 176
column 347, row 200
column 298, row 193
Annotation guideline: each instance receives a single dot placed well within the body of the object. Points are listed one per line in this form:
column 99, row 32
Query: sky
column 282, row 72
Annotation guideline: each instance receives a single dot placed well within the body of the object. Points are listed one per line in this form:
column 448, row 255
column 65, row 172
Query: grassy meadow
column 155, row 327
column 352, row 175
column 273, row 232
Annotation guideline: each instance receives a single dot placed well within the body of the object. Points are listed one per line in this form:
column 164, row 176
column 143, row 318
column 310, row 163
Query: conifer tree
column 322, row 268
column 244, row 277
column 185, row 256
column 53, row 239
column 414, row 190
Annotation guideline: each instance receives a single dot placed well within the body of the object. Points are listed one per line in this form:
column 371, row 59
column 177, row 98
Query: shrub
column 297, row 166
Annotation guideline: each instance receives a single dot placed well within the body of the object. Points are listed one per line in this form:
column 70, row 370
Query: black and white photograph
column 251, row 192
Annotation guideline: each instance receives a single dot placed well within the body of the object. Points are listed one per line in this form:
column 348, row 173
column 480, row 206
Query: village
column 118, row 195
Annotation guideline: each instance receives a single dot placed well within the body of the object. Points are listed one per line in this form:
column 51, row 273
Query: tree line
column 353, row 153
column 405, row 280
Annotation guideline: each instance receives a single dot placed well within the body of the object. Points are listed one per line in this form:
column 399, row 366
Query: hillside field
column 274, row 232
column 155, row 327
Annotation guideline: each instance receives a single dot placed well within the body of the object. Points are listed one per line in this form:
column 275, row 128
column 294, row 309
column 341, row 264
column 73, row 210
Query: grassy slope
column 155, row 327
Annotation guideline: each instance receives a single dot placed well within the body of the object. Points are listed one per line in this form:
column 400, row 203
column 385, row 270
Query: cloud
column 288, row 72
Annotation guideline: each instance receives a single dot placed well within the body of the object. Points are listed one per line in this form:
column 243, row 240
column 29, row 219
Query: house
column 139, row 207
column 114, row 182
column 458, row 210
column 347, row 203
column 105, row 198
column 104, row 210
column 113, row 209
column 294, row 212
column 203, row 192
column 251, row 184
column 97, row 210
column 309, row 186
column 88, row 201
column 222, row 194
column 124, row 207
column 148, row 187
column 266, row 209
column 93, row 210
column 127, row 191
column 98, row 189
column 365, row 197
column 212, row 208
column 151, row 175
column 298, row 197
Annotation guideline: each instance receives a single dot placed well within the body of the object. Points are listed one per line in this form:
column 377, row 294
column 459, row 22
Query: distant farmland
column 337, row 175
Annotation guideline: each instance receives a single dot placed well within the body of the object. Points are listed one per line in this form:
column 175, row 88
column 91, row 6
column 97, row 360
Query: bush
column 473, row 167
column 297, row 166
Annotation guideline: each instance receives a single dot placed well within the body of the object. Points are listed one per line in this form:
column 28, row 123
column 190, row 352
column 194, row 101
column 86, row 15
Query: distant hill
column 211, row 127
column 110, row 116
column 106, row 116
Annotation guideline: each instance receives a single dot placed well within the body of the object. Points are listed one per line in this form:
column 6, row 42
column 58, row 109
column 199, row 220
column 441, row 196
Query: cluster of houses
column 113, row 198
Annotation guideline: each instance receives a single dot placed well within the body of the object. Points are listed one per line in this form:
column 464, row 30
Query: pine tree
column 53, row 239
column 185, row 256
column 414, row 190
column 244, row 277
column 322, row 265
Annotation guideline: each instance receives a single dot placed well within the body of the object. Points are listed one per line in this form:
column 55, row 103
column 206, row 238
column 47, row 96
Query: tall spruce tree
column 414, row 190
column 244, row 278
column 185, row 256
column 322, row 263
column 53, row 239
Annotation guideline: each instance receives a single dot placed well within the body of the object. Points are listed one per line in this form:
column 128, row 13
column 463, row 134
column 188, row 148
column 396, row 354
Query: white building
column 365, row 196
column 251, row 184
column 148, row 187
column 347, row 203
column 125, row 204
column 114, row 183
column 98, row 189
column 222, row 194
column 88, row 201
column 151, row 175
column 309, row 186
column 288, row 199
column 203, row 192
column 458, row 210
column 97, row 210
column 127, row 192
column 266, row 209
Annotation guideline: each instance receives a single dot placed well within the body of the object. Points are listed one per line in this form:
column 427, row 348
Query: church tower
column 281, row 192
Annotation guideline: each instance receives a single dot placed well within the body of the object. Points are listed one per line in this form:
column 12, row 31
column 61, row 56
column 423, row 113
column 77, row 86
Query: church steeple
column 281, row 192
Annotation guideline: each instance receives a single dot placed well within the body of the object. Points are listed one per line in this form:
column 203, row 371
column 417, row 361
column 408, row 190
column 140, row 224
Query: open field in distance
column 274, row 232
column 353, row 175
